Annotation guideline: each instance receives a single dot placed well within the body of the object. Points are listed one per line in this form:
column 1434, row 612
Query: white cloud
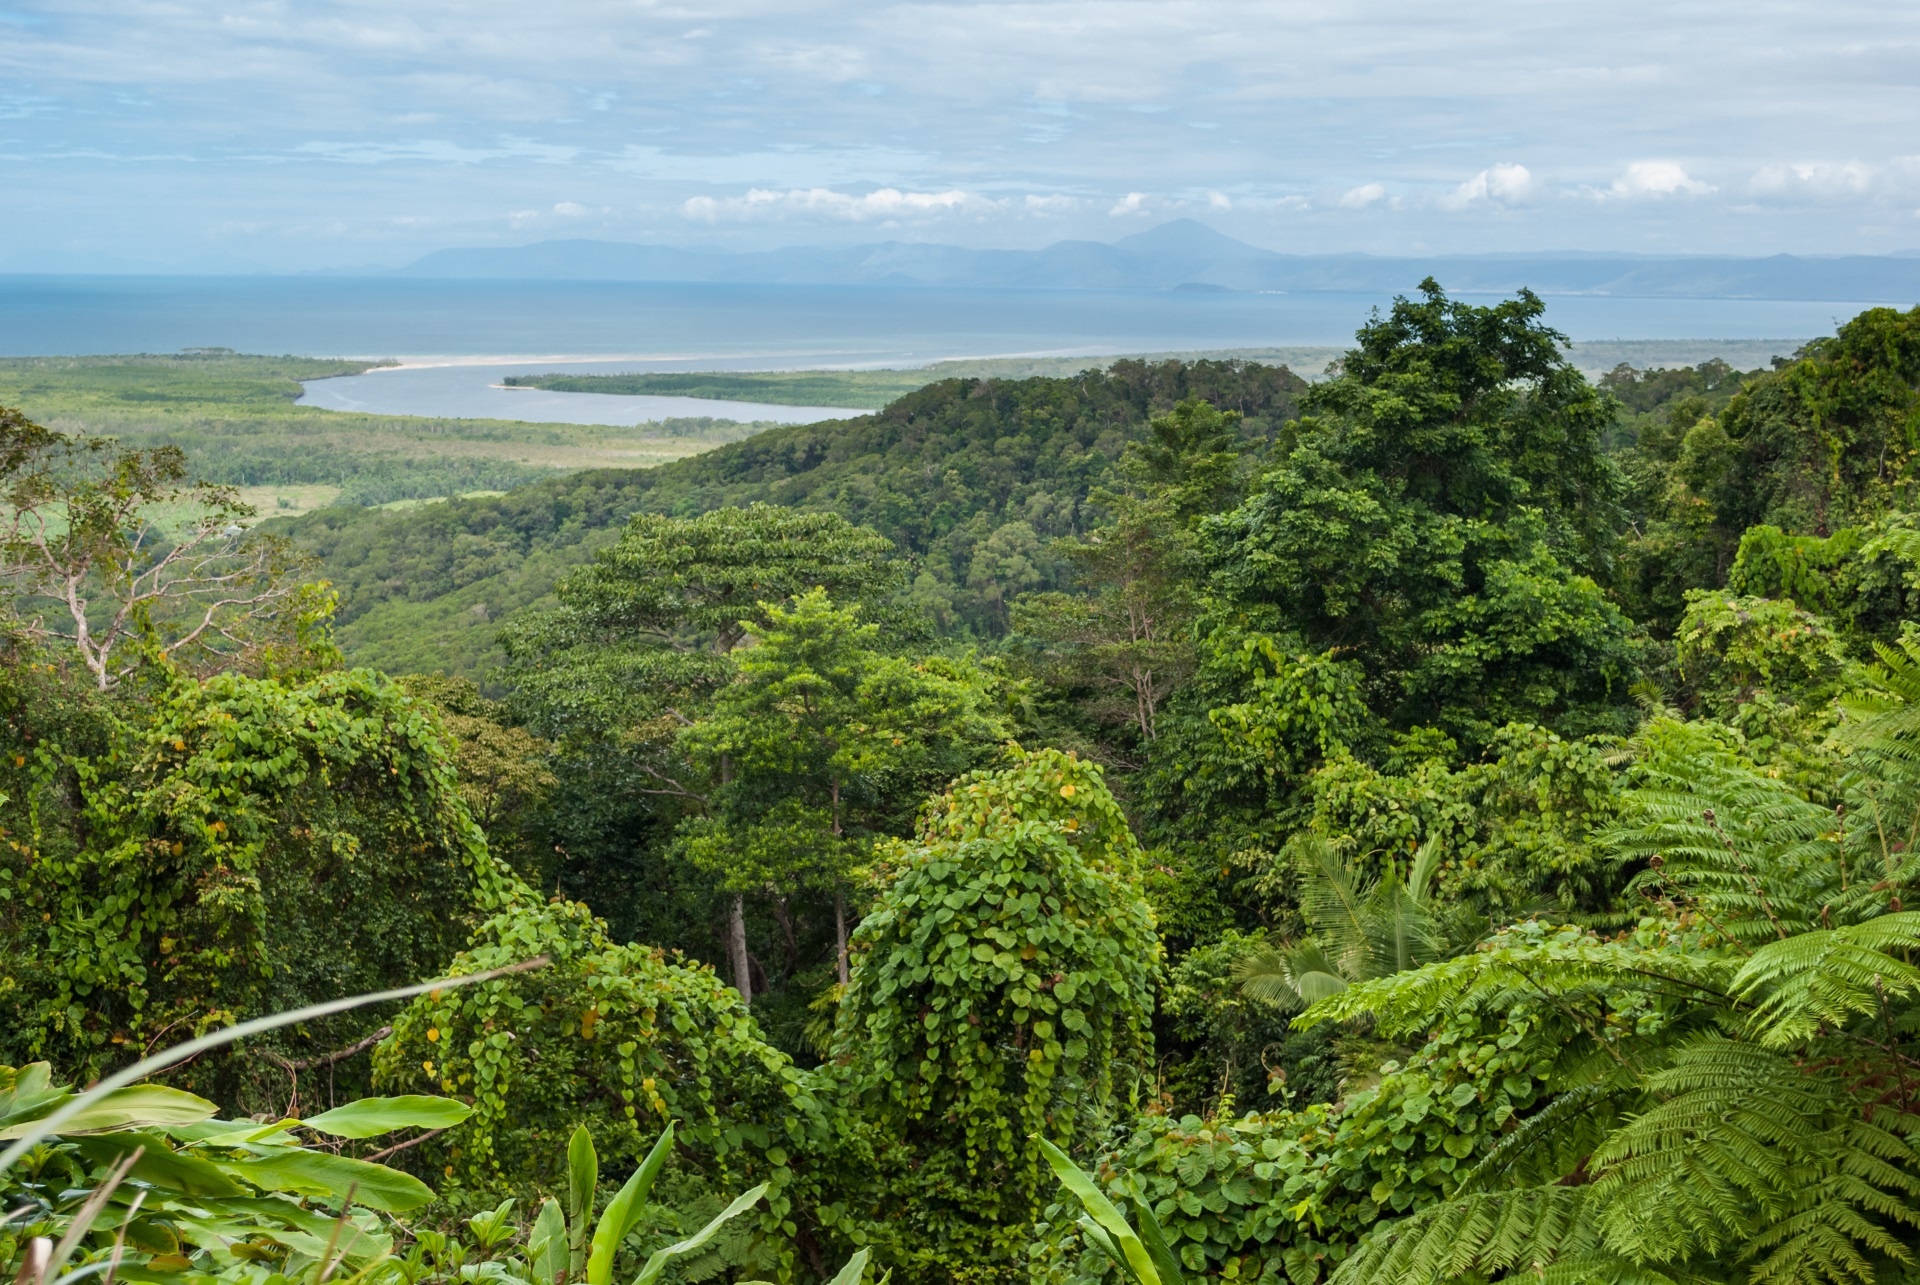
column 1131, row 203
column 1052, row 204
column 1502, row 184
column 1657, row 178
column 569, row 209
column 1359, row 198
column 1827, row 179
column 1219, row 201
column 824, row 202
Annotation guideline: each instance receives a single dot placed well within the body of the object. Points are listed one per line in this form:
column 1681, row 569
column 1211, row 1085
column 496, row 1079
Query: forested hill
column 974, row 478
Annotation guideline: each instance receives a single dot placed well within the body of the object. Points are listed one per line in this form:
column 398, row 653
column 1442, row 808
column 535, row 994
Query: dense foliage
column 1452, row 823
column 971, row 477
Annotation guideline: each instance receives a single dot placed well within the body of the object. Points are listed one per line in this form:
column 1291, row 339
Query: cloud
column 647, row 104
column 569, row 209
column 1656, row 179
column 824, row 202
column 1049, row 205
column 1821, row 180
column 1219, row 201
column 1359, row 198
column 1501, row 184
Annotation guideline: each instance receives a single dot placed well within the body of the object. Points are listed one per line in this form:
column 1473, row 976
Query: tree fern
column 1827, row 978
column 1521, row 1230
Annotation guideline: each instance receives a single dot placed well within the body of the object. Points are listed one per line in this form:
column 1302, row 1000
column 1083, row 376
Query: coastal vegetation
column 236, row 416
column 1173, row 824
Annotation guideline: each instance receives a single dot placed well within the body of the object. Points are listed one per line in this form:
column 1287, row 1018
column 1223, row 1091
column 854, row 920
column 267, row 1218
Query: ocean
column 743, row 326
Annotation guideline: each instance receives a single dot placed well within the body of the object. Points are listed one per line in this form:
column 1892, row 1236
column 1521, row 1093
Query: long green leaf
column 1156, row 1242
column 624, row 1210
column 547, row 1245
column 143, row 1106
column 160, row 1165
column 53, row 1124
column 583, row 1178
column 1093, row 1232
column 1095, row 1202
column 661, row 1257
column 369, row 1117
column 316, row 1173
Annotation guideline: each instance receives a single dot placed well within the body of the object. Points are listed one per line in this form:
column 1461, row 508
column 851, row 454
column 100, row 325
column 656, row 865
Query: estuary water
column 473, row 390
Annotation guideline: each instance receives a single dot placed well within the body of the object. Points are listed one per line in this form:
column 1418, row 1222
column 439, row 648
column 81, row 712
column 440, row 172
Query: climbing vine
column 1002, row 993
column 622, row 1039
column 228, row 846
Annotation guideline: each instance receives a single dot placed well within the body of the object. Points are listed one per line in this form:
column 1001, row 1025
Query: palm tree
column 1359, row 926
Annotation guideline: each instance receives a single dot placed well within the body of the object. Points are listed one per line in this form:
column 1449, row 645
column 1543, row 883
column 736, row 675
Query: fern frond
column 1554, row 1141
column 1826, row 1244
column 1747, row 1150
column 1528, row 961
column 1611, row 1269
column 1758, row 857
column 1474, row 1236
column 1829, row 977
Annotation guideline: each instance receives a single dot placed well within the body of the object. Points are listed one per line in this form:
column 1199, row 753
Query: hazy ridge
column 1188, row 253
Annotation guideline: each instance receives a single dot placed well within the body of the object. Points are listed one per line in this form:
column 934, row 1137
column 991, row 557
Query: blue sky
column 283, row 135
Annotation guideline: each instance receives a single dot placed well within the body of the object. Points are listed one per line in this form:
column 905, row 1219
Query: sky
column 295, row 135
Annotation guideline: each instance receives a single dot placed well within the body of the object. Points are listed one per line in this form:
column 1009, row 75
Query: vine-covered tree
column 1000, row 994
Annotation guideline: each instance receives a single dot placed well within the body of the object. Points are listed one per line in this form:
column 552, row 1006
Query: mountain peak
column 1188, row 238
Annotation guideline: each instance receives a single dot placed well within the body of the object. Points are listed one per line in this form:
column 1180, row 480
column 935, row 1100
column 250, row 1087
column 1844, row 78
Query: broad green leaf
column 624, row 1210
column 315, row 1173
column 583, row 1176
column 854, row 1271
column 661, row 1257
column 160, row 1165
column 262, row 1211
column 1095, row 1202
column 33, row 1078
column 370, row 1117
column 138, row 1106
column 547, row 1245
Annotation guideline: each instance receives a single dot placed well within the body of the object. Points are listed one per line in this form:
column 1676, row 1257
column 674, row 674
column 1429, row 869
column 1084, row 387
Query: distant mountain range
column 1191, row 255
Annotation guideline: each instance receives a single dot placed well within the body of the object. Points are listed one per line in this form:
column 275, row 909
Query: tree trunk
column 840, row 932
column 839, row 898
column 737, row 948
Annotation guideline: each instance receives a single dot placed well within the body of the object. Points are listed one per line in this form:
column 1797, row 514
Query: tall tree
column 86, row 545
column 1439, row 516
column 642, row 641
column 830, row 742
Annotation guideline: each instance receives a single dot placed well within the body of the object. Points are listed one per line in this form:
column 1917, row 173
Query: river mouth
column 475, row 389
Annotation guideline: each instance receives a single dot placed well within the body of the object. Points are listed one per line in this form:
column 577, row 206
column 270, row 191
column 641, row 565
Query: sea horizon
column 450, row 321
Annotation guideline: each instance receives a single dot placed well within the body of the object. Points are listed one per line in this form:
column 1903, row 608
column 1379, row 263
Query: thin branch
column 402, row 1146
column 327, row 1059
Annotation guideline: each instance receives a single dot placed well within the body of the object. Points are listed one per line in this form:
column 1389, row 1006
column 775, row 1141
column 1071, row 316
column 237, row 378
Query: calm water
column 474, row 391
column 743, row 325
